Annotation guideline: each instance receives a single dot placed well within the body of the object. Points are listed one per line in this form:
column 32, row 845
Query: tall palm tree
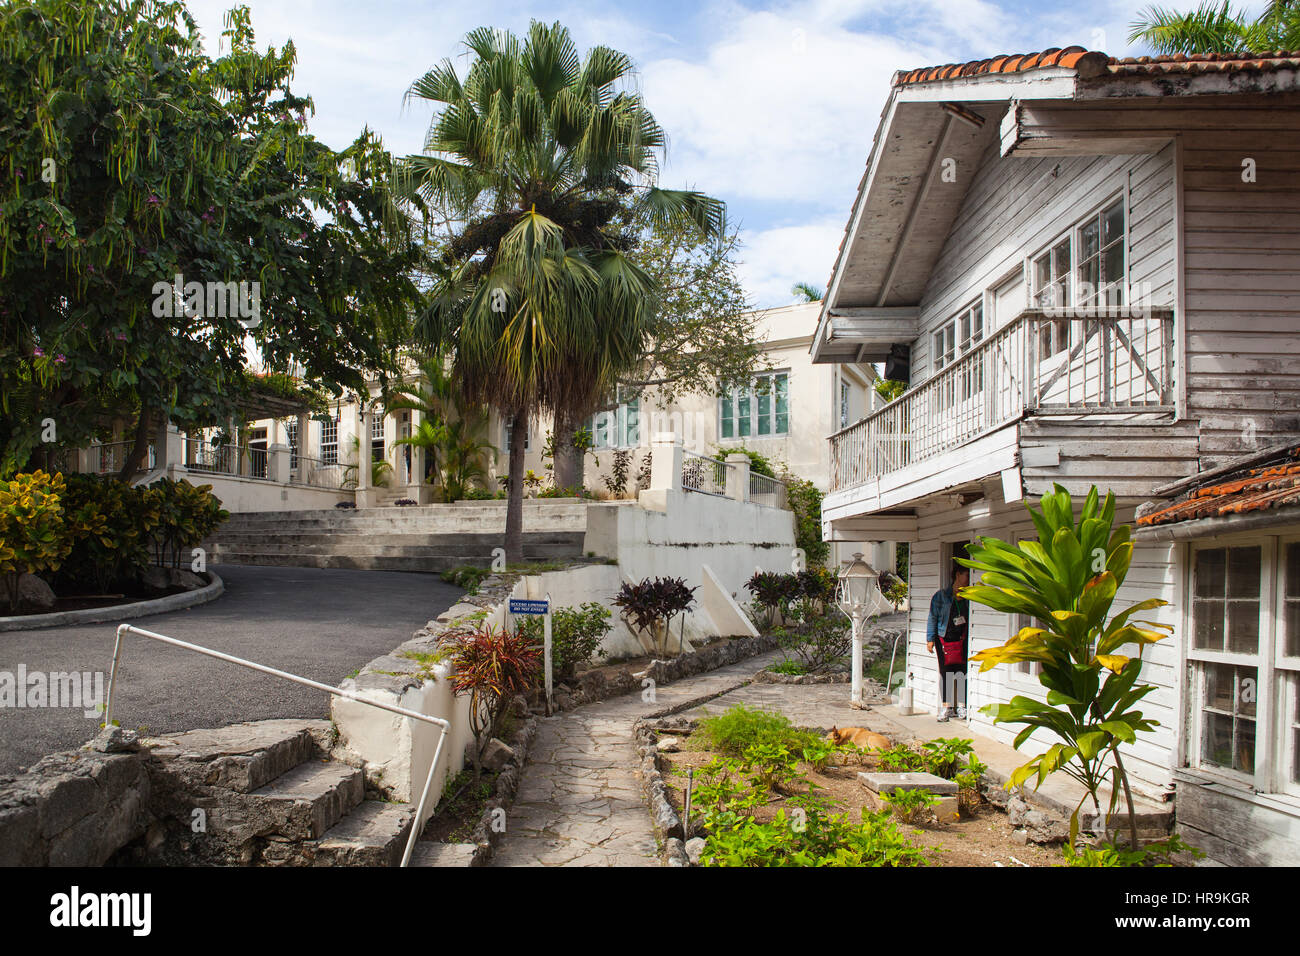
column 807, row 292
column 1215, row 27
column 545, row 156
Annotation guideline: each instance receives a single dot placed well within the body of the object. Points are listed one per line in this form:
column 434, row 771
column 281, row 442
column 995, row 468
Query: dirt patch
column 980, row 837
column 461, row 808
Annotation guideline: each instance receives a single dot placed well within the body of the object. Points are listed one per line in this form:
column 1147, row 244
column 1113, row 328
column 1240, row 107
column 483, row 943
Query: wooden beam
column 910, row 222
column 1040, row 130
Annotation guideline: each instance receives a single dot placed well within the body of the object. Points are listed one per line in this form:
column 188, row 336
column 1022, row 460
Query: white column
column 738, row 476
column 666, row 463
column 363, row 448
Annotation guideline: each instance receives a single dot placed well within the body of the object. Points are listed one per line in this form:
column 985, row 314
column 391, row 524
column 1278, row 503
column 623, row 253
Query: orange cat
column 858, row 736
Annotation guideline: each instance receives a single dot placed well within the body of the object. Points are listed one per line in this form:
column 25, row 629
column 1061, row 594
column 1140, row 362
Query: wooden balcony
column 1105, row 364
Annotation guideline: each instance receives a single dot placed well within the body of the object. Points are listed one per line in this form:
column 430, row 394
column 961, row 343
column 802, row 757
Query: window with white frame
column 1244, row 663
column 618, row 427
column 377, row 424
column 953, row 339
column 844, row 404
column 291, row 432
column 1084, row 269
column 506, row 425
column 761, row 410
column 329, row 441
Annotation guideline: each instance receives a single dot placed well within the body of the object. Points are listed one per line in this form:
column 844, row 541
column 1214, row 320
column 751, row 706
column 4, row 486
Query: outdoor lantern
column 858, row 597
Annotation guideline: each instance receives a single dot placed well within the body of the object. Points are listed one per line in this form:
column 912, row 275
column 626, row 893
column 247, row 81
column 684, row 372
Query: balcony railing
column 238, row 460
column 703, row 474
column 1108, row 363
column 320, row 474
column 109, row 457
column 768, row 492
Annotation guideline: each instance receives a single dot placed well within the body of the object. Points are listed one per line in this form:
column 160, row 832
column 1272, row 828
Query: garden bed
column 980, row 836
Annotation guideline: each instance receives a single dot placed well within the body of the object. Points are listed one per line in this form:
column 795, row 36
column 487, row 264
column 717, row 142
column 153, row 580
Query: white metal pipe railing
column 443, row 725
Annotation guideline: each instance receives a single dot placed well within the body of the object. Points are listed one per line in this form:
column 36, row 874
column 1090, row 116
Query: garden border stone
column 118, row 612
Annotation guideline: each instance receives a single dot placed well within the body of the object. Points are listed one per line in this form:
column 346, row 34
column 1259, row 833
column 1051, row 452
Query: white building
column 1090, row 267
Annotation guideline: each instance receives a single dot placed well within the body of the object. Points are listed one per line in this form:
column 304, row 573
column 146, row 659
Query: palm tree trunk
column 515, row 495
column 569, row 461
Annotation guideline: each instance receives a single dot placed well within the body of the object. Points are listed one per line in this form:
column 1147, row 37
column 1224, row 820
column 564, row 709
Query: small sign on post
column 542, row 607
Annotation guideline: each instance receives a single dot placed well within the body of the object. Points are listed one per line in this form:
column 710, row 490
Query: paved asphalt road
column 318, row 623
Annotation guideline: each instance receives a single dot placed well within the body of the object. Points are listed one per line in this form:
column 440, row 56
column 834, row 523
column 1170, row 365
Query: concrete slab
column 889, row 782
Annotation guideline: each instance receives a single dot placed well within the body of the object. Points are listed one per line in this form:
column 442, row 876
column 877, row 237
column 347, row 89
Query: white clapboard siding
column 1152, row 575
column 1242, row 266
column 1016, row 206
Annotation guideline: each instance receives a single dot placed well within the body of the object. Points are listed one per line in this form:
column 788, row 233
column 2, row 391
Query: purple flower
column 37, row 352
column 153, row 200
column 60, row 359
column 121, row 336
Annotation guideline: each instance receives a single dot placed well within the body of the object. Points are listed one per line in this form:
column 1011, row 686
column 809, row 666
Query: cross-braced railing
column 1050, row 363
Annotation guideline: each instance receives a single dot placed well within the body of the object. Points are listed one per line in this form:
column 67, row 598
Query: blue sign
column 526, row 606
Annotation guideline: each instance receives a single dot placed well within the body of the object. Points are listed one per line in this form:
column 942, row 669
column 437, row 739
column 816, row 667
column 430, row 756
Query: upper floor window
column 291, row 432
column 762, row 410
column 506, row 425
column 844, row 404
column 1084, row 269
column 617, row 427
column 959, row 335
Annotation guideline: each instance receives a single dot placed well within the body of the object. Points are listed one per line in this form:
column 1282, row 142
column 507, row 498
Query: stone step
column 430, row 853
column 433, row 514
column 365, row 562
column 241, row 757
column 373, row 834
column 305, row 802
column 414, row 544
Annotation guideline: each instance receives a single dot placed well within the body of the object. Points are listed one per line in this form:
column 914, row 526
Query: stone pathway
column 580, row 802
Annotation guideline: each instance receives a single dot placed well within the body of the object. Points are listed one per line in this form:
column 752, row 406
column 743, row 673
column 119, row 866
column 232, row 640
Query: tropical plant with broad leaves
column 32, row 532
column 1066, row 581
column 1215, row 27
column 543, row 157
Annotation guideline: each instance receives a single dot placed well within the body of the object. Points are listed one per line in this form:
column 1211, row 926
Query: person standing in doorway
column 946, row 632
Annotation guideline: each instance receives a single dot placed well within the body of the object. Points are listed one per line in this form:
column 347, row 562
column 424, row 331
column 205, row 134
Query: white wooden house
column 1087, row 269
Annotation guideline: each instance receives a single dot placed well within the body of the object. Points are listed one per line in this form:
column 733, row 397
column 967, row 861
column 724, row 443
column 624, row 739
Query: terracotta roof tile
column 1254, row 489
column 1093, row 63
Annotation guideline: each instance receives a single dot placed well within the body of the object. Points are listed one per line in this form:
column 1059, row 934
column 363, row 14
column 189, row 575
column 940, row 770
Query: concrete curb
column 120, row 612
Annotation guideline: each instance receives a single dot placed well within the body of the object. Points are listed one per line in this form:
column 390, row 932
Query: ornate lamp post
column 858, row 596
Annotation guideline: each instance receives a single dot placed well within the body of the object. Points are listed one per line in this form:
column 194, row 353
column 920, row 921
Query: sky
column 768, row 106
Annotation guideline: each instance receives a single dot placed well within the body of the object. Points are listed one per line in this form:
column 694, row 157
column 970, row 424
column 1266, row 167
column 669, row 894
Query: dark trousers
column 951, row 675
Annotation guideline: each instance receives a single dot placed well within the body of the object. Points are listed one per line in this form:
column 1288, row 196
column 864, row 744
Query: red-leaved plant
column 493, row 666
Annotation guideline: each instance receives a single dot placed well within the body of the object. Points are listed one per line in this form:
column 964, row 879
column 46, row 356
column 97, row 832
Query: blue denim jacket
column 940, row 611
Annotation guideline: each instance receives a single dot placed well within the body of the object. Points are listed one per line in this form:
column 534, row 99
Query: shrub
column 187, row 515
column 651, row 604
column 616, row 480
column 909, row 806
column 1156, row 854
column 818, row 838
column 492, row 666
column 805, row 501
column 772, row 592
column 576, row 634
column 465, row 576
column 819, row 643
column 758, row 464
column 111, row 525
column 33, row 536
column 944, row 755
column 890, row 389
column 643, row 472
column 790, row 667
column 737, row 729
column 901, row 758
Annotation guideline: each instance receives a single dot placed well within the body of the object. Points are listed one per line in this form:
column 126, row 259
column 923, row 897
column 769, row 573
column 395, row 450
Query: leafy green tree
column 1066, row 582
column 133, row 158
column 705, row 336
column 1215, row 27
column 538, row 151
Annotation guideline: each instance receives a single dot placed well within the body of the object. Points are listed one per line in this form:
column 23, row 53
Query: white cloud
column 777, row 258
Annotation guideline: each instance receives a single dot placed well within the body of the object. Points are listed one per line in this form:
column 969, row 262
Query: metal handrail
column 443, row 725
